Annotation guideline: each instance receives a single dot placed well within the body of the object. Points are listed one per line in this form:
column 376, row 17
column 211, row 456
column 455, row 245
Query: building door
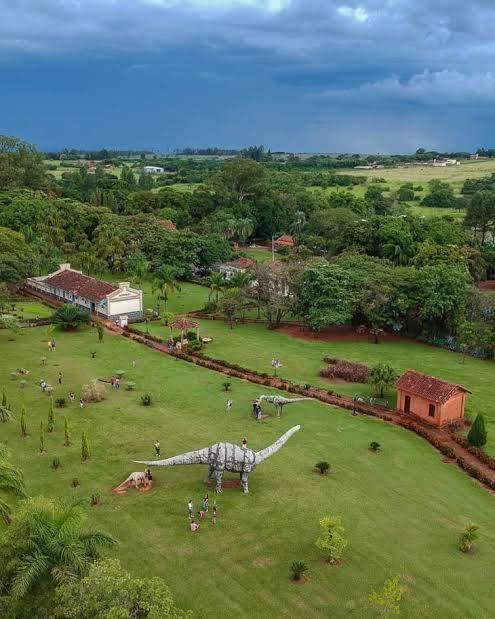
column 431, row 410
column 93, row 307
column 407, row 404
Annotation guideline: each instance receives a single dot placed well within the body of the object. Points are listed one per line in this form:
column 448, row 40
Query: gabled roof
column 82, row 285
column 285, row 239
column 184, row 324
column 428, row 387
column 241, row 263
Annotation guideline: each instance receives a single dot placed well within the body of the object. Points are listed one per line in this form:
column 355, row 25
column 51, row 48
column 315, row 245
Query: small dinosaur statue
column 136, row 479
column 222, row 457
column 279, row 401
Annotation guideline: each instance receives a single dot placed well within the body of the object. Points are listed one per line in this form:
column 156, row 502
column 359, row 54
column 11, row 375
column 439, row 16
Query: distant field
column 436, row 212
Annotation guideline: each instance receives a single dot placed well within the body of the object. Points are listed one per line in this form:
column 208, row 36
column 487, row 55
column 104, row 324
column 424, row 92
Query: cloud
column 427, row 88
column 358, row 13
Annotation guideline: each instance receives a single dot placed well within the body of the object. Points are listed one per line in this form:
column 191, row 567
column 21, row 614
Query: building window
column 431, row 410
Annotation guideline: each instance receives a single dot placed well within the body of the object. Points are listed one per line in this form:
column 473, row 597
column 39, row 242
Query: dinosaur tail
column 199, row 456
column 274, row 447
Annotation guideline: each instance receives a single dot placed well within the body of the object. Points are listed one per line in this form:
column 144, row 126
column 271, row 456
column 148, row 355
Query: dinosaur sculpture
column 279, row 401
column 136, row 479
column 222, row 457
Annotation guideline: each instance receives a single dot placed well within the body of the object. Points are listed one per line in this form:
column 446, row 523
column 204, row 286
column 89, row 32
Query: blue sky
column 301, row 75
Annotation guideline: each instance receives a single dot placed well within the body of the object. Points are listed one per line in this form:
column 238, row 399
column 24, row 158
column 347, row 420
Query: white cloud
column 359, row 14
column 427, row 88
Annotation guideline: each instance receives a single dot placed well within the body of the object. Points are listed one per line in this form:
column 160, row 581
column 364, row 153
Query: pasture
column 402, row 508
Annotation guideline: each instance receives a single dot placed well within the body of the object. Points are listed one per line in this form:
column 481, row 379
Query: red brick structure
column 284, row 241
column 434, row 400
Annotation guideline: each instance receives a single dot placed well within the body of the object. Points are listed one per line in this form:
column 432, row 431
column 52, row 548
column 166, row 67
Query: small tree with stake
column 85, row 455
column 66, row 432
column 467, row 538
column 477, row 432
column 388, row 599
column 99, row 329
column 51, row 418
column 23, row 422
column 332, row 541
column 42, row 438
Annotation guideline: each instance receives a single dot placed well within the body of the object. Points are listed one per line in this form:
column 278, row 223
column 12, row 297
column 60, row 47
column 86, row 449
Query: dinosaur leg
column 245, row 477
column 210, row 473
column 218, row 477
column 279, row 410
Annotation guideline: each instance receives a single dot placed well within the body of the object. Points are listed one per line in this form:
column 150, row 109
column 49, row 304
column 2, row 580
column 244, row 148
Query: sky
column 370, row 76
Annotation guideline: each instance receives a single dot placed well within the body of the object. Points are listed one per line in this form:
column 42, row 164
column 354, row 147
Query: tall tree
column 165, row 284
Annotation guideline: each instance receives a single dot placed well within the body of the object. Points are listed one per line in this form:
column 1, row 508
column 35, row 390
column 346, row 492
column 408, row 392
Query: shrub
column 23, row 422
column 51, row 418
column 323, row 467
column 130, row 386
column 95, row 499
column 477, row 433
column 226, row 385
column 191, row 336
column 60, row 402
column 93, row 392
column 194, row 346
column 92, row 353
column 467, row 538
column 85, row 455
column 345, row 370
column 332, row 541
column 387, row 600
column 56, row 463
column 146, row 399
column 69, row 317
column 297, row 569
column 5, row 414
column 75, row 482
column 119, row 374
column 374, row 446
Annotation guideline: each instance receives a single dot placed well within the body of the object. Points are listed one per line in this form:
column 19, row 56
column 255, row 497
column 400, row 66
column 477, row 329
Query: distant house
column 439, row 162
column 434, row 400
column 96, row 296
column 153, row 169
column 168, row 224
column 283, row 241
column 229, row 269
column 477, row 157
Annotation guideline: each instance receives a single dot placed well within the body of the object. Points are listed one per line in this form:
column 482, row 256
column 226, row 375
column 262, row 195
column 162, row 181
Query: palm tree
column 217, row 285
column 298, row 223
column 382, row 377
column 11, row 480
column 165, row 284
column 70, row 316
column 243, row 229
column 46, row 539
column 240, row 279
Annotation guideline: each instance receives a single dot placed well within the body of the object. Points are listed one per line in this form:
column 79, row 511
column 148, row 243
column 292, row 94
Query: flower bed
column 345, row 370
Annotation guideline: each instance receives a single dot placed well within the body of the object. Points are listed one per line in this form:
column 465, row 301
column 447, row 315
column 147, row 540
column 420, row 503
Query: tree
column 66, row 432
column 4, row 296
column 240, row 179
column 42, row 438
column 46, row 542
column 298, row 223
column 11, row 481
column 231, row 305
column 70, row 317
column 332, row 541
column 477, row 433
column 5, row 414
column 275, row 288
column 244, row 228
column 388, row 599
column 50, row 426
column 382, row 376
column 165, row 284
column 480, row 215
column 373, row 305
column 85, row 454
column 240, row 280
column 472, row 335
column 23, row 422
column 467, row 538
column 217, row 285
column 396, row 241
column 109, row 591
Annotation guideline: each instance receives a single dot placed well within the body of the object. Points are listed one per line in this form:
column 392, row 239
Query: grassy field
column 30, row 309
column 426, row 211
column 259, row 254
column 402, row 508
column 254, row 346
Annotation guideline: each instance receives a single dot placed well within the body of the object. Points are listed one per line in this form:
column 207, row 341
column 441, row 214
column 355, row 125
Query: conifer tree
column 51, row 418
column 477, row 433
column 4, row 399
column 66, row 432
column 42, row 438
column 84, row 447
column 23, row 421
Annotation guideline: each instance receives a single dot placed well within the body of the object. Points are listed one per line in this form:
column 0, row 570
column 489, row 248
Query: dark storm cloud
column 329, row 56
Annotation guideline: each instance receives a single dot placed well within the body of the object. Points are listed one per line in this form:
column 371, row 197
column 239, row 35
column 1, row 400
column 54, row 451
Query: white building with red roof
column 113, row 301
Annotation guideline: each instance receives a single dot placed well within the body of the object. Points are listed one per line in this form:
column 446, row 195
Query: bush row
column 475, row 451
column 346, row 370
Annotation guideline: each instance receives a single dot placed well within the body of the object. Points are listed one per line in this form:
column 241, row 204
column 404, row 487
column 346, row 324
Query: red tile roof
column 82, row 285
column 428, row 387
column 286, row 240
column 242, row 263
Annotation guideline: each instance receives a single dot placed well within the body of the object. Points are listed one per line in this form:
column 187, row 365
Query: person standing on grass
column 194, row 526
column 49, row 346
column 60, row 378
column 157, row 448
column 53, row 345
column 81, row 403
column 71, row 396
column 190, row 508
column 244, row 443
column 229, row 405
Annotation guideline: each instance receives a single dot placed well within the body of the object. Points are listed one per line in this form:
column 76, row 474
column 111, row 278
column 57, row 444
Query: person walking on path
column 229, row 405
column 60, row 378
column 157, row 448
column 190, row 508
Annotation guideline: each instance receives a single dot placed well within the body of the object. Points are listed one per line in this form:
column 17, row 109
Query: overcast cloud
column 319, row 75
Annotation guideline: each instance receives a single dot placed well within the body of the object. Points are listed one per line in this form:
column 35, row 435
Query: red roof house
column 434, row 400
column 284, row 241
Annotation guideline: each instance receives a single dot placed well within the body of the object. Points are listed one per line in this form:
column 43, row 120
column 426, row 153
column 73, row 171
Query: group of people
column 204, row 509
column 115, row 382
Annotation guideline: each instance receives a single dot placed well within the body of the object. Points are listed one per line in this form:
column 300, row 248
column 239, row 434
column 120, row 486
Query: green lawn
column 254, row 346
column 402, row 508
column 30, row 309
column 259, row 254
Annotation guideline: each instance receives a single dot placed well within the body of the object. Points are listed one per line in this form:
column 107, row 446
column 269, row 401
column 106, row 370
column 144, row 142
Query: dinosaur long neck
column 199, row 456
column 274, row 447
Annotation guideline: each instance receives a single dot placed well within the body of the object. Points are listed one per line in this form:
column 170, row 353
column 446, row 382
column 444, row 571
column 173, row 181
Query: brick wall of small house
column 419, row 407
column 453, row 409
